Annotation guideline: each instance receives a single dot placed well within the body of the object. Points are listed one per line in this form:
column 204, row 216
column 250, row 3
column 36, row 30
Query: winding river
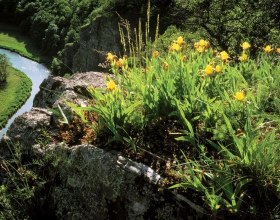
column 35, row 71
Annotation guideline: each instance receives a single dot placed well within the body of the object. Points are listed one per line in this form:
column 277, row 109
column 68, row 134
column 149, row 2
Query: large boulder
column 27, row 129
column 55, row 90
column 99, row 184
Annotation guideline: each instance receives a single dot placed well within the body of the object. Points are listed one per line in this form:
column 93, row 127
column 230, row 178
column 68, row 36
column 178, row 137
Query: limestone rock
column 55, row 90
column 96, row 40
column 100, row 184
column 27, row 128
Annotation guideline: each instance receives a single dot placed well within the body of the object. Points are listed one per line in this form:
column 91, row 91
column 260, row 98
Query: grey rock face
column 27, row 128
column 99, row 184
column 96, row 40
column 55, row 90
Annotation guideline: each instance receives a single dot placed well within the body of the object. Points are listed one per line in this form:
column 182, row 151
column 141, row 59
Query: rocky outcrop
column 90, row 182
column 55, row 90
column 94, row 183
column 102, row 35
column 27, row 129
column 99, row 184
column 96, row 39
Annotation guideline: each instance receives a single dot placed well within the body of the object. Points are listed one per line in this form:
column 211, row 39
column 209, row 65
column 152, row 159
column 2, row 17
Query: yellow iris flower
column 224, row 56
column 209, row 70
column 267, row 49
column 110, row 57
column 245, row 45
column 180, row 41
column 155, row 54
column 111, row 85
column 243, row 57
column 239, row 96
column 218, row 69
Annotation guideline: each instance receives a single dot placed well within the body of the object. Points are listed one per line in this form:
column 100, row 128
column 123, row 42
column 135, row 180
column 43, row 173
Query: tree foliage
column 3, row 68
column 229, row 22
column 54, row 24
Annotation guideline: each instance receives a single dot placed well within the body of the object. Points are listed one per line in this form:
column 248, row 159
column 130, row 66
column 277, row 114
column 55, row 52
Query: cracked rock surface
column 55, row 90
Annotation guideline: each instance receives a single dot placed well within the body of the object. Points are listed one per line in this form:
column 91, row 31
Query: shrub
column 3, row 68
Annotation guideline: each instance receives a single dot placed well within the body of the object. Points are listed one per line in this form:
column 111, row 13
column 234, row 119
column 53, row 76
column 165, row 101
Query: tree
column 3, row 68
column 230, row 22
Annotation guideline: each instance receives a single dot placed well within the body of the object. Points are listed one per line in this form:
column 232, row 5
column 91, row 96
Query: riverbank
column 35, row 71
column 12, row 39
column 19, row 86
column 14, row 94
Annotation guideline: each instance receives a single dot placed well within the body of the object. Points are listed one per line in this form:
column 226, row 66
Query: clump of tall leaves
column 25, row 182
column 225, row 108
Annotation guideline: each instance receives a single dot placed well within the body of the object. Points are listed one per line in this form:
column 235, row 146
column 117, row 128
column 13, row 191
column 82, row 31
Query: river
column 35, row 71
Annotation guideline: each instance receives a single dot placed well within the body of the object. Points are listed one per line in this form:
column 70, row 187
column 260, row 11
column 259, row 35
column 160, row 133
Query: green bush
column 3, row 69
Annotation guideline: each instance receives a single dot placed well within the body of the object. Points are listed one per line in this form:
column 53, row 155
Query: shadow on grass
column 3, row 85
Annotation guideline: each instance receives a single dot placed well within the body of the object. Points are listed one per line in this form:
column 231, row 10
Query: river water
column 35, row 71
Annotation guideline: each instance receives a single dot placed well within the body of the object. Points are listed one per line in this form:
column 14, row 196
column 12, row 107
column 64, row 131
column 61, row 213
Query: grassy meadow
column 13, row 94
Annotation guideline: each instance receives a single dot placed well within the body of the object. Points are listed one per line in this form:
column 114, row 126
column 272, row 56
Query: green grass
column 12, row 39
column 13, row 94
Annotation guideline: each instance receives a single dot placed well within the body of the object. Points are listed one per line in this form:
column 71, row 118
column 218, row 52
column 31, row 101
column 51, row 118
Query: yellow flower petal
column 180, row 41
column 243, row 57
column 155, row 54
column 239, row 96
column 175, row 47
column 218, row 69
column 111, row 85
column 209, row 70
column 245, row 45
column 110, row 57
column 200, row 49
column 224, row 56
column 120, row 63
column 267, row 49
column 203, row 43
